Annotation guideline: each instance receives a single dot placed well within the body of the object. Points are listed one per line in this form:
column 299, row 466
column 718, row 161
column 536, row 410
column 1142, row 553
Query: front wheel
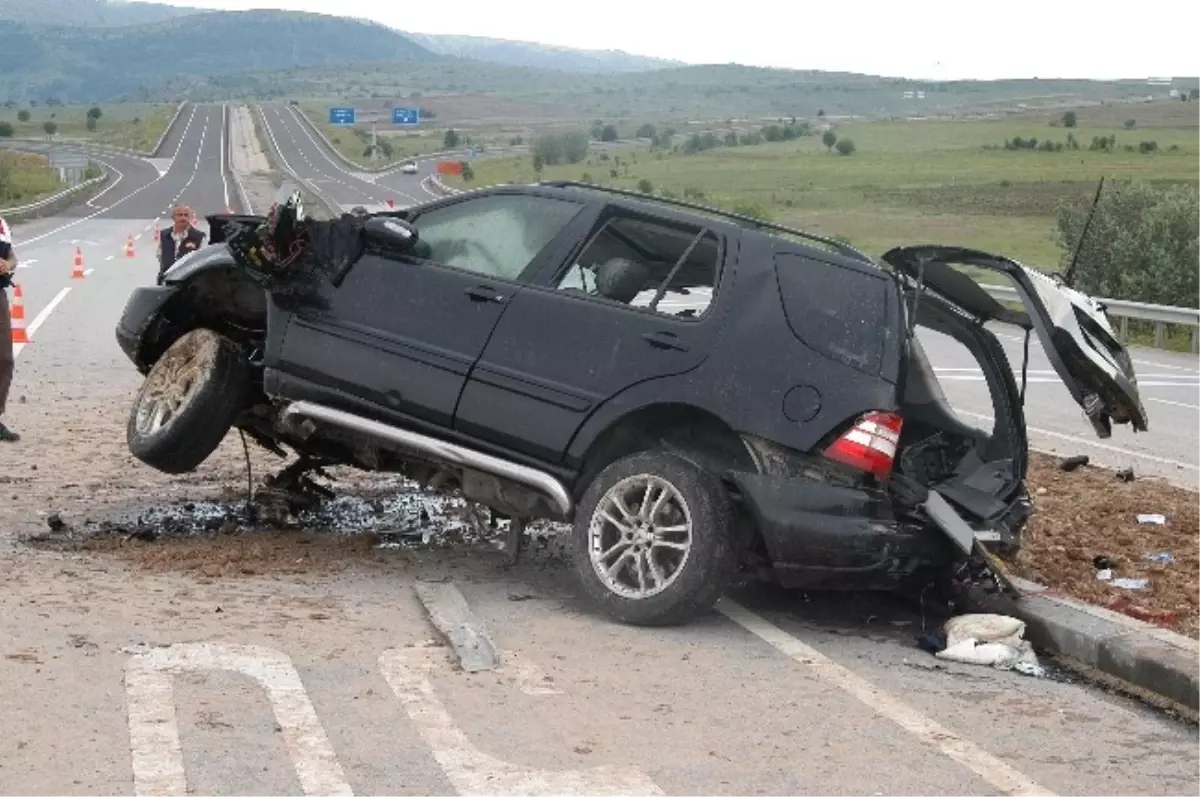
column 188, row 402
column 653, row 540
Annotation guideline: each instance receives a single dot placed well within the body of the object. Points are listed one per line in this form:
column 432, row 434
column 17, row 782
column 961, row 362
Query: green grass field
column 134, row 125
column 908, row 182
column 25, row 178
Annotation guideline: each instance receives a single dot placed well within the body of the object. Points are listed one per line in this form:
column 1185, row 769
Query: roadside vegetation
column 132, row 125
column 26, row 178
column 396, row 145
column 905, row 182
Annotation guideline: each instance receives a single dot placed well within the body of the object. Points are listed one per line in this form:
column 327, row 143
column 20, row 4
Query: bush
column 1069, row 119
column 50, row 127
column 23, row 115
column 746, row 207
column 94, row 112
column 1146, row 147
column 645, row 186
column 1129, row 123
column 468, row 174
column 829, row 138
column 92, row 172
column 6, row 130
column 556, row 148
column 609, row 133
column 1142, row 246
column 646, row 131
column 845, row 146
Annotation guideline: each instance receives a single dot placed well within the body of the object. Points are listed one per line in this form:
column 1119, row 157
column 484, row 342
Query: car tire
column 682, row 583
column 188, row 402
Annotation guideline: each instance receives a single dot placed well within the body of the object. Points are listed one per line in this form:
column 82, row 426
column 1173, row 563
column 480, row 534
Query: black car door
column 401, row 332
column 630, row 304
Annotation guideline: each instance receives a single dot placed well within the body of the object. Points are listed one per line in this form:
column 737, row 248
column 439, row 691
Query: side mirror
column 391, row 232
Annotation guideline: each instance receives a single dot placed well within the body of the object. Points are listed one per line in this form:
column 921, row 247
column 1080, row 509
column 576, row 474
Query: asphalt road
column 270, row 674
column 1169, row 384
column 307, row 156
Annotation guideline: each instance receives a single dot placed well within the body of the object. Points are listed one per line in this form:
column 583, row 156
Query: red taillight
column 870, row 444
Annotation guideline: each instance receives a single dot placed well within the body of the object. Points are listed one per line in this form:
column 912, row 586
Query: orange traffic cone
column 17, row 313
column 129, row 246
column 77, row 271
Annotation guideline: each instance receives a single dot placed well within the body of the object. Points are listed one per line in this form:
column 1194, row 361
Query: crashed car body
column 703, row 396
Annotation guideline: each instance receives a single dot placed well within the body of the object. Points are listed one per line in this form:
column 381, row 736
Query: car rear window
column 838, row 311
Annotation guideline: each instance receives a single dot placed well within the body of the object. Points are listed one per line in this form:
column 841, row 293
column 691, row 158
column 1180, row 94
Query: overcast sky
column 935, row 39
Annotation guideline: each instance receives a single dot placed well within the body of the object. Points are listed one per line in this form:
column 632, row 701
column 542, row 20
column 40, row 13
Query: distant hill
column 104, row 63
column 88, row 13
column 542, row 56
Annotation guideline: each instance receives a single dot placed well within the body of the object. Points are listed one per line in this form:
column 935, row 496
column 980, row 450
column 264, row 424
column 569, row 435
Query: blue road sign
column 406, row 116
column 341, row 116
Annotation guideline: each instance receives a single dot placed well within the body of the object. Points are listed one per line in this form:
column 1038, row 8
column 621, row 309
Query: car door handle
column 664, row 340
column 482, row 293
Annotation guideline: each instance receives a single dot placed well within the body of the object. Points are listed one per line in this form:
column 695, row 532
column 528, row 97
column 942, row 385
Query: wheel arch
column 685, row 428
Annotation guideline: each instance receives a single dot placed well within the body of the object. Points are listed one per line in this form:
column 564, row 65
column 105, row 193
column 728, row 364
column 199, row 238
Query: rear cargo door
column 1072, row 327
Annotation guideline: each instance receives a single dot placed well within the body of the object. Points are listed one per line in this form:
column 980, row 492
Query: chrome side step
column 440, row 450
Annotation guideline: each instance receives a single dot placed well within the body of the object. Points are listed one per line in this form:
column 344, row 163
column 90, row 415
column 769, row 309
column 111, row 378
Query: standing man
column 178, row 241
column 8, row 267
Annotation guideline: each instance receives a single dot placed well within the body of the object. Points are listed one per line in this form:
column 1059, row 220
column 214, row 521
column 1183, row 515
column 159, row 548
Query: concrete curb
column 1146, row 657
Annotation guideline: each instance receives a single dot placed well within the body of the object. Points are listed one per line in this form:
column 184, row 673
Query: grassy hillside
column 25, row 178
column 907, row 182
column 541, row 56
column 134, row 125
column 680, row 94
column 88, row 13
column 155, row 61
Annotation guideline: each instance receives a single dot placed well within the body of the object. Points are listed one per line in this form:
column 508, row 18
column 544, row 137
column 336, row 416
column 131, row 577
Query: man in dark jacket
column 178, row 241
column 8, row 267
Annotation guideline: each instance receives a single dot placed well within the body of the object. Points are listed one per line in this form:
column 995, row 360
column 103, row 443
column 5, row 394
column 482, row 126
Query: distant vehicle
column 410, row 167
column 703, row 395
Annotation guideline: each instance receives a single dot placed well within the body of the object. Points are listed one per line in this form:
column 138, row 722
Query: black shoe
column 8, row 435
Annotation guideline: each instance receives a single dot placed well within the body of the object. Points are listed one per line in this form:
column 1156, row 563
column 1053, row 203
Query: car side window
column 668, row 268
column 497, row 235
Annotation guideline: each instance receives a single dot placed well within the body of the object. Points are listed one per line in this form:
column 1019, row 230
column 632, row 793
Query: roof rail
column 843, row 248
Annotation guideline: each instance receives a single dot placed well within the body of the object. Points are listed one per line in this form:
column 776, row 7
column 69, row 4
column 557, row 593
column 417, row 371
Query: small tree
column 50, row 127
column 829, row 138
column 23, row 115
column 538, row 162
column 1069, row 119
column 468, row 174
column 609, row 133
column 91, row 124
column 1129, row 123
column 645, row 186
column 646, row 131
column 451, row 139
column 6, row 130
column 94, row 112
column 845, row 147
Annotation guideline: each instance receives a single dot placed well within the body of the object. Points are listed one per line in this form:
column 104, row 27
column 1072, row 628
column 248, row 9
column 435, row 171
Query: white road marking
column 1038, row 380
column 123, row 199
column 224, row 180
column 155, row 747
column 473, row 772
column 1080, row 440
column 108, row 257
column 967, row 753
column 1176, row 403
column 87, row 271
column 40, row 319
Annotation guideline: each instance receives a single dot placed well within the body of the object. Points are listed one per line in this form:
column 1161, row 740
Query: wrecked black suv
column 704, row 396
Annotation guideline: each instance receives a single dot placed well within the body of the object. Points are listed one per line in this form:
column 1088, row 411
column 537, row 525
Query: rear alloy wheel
column 653, row 540
column 188, row 402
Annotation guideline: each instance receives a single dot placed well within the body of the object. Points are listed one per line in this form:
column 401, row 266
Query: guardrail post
column 1195, row 340
column 1159, row 329
column 1124, row 329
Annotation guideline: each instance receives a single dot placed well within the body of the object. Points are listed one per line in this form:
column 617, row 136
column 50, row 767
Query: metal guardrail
column 50, row 200
column 1158, row 314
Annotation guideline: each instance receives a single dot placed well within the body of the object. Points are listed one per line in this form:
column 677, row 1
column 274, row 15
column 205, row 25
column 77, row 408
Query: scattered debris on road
column 993, row 640
column 1084, row 524
column 458, row 625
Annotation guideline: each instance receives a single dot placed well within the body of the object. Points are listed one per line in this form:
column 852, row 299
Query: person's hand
column 6, row 268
